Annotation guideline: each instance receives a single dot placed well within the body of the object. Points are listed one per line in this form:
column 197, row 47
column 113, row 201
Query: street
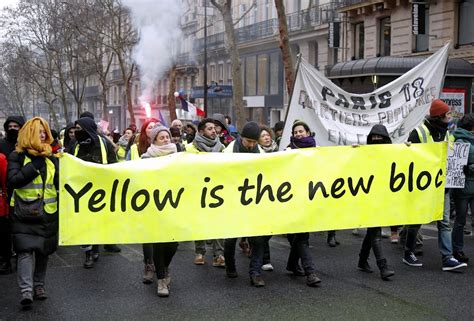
column 113, row 289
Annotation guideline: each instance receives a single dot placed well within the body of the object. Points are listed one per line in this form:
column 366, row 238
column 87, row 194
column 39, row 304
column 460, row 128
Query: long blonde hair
column 29, row 138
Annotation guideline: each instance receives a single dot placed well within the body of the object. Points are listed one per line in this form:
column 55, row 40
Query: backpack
column 4, row 207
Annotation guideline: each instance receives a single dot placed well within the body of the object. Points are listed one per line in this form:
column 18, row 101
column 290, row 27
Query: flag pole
column 298, row 62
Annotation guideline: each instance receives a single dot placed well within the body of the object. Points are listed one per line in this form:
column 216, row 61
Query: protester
column 34, row 225
column 122, row 144
column 222, row 130
column 278, row 130
column 191, row 131
column 206, row 141
column 246, row 143
column 135, row 152
column 435, row 129
column 177, row 138
column 7, row 145
column 69, row 138
column 268, row 145
column 91, row 147
column 301, row 138
column 163, row 253
column 232, row 129
column 373, row 237
column 464, row 197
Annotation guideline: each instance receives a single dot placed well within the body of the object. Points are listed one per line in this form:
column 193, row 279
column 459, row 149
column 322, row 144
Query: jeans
column 257, row 244
column 444, row 231
column 300, row 251
column 162, row 255
column 31, row 270
column 412, row 231
column 458, row 228
column 372, row 240
column 229, row 253
column 217, row 247
column 147, row 252
column 266, row 251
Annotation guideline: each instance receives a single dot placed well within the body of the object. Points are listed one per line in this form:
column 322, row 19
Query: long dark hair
column 143, row 143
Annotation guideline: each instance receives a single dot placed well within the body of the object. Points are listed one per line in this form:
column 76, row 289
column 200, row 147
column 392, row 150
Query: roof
column 393, row 66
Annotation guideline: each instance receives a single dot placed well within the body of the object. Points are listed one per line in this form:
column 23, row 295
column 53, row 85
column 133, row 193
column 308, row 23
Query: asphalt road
column 113, row 289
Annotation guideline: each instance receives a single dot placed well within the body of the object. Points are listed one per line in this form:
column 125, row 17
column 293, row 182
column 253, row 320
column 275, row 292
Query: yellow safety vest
column 134, row 155
column 103, row 151
column 121, row 154
column 34, row 190
column 425, row 136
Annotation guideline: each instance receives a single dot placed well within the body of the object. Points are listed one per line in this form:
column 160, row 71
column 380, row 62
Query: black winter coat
column 42, row 236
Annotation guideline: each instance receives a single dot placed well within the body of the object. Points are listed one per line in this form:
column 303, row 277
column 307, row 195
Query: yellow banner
column 188, row 196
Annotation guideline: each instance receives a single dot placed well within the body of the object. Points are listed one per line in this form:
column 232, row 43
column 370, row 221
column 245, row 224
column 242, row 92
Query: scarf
column 123, row 142
column 239, row 148
column 273, row 147
column 29, row 138
column 205, row 144
column 157, row 151
column 304, row 142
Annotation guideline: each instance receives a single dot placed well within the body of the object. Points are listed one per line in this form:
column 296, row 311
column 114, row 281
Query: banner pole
column 298, row 62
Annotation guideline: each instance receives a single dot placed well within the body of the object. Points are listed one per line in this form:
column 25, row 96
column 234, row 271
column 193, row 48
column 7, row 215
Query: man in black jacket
column 91, row 147
column 7, row 145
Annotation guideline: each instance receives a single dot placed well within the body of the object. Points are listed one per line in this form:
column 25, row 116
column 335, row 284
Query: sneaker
column 89, row 262
column 149, row 273
column 40, row 293
column 411, row 260
column 218, row 261
column 199, row 259
column 267, row 267
column 394, row 238
column 112, row 248
column 364, row 266
column 452, row 264
column 162, row 289
column 312, row 279
column 461, row 257
column 257, row 281
column 26, row 298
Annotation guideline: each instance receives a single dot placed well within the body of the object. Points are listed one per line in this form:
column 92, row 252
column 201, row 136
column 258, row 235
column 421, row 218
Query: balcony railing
column 301, row 20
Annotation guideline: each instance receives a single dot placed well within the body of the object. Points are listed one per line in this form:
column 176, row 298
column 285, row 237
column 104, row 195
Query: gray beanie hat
column 251, row 130
column 156, row 130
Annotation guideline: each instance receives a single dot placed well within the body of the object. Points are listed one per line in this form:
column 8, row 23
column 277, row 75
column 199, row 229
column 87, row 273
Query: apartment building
column 379, row 43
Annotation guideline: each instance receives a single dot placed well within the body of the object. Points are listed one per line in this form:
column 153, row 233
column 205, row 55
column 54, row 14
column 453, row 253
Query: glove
column 465, row 169
column 38, row 162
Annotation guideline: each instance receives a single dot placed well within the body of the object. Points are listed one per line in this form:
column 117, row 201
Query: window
column 359, row 40
column 422, row 41
column 384, row 37
column 250, row 75
column 274, row 73
column 212, row 73
column 193, row 81
column 229, row 73
column 220, row 72
column 262, row 86
column 466, row 23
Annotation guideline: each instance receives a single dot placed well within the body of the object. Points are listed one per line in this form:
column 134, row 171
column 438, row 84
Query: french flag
column 187, row 106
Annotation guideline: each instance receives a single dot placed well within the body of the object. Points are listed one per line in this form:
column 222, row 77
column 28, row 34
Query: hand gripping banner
column 188, row 196
column 341, row 118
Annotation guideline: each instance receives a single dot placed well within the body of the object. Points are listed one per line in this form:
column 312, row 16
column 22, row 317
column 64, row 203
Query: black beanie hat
column 87, row 114
column 251, row 130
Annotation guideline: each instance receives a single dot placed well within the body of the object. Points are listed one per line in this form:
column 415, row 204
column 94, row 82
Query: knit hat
column 438, row 108
column 251, row 130
column 156, row 130
column 87, row 114
column 300, row 123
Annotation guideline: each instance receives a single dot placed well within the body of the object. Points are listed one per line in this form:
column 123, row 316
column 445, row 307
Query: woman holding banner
column 34, row 176
column 301, row 138
column 373, row 238
column 134, row 153
column 162, row 252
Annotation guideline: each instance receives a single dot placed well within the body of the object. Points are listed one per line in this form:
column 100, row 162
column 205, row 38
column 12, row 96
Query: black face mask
column 81, row 135
column 12, row 135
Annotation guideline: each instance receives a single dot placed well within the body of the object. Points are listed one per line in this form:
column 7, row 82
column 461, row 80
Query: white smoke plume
column 158, row 23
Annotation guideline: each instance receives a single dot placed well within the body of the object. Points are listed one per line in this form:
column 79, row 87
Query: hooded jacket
column 89, row 146
column 7, row 145
column 464, row 136
column 68, row 143
column 380, row 130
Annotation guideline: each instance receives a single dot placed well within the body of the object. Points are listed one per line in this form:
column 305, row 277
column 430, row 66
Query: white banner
column 341, row 118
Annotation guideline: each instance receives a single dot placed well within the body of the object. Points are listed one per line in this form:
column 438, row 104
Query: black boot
column 89, row 262
column 332, row 242
column 364, row 266
column 385, row 272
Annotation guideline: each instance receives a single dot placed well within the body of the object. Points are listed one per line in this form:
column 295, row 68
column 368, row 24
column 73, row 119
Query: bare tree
column 225, row 8
column 285, row 47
